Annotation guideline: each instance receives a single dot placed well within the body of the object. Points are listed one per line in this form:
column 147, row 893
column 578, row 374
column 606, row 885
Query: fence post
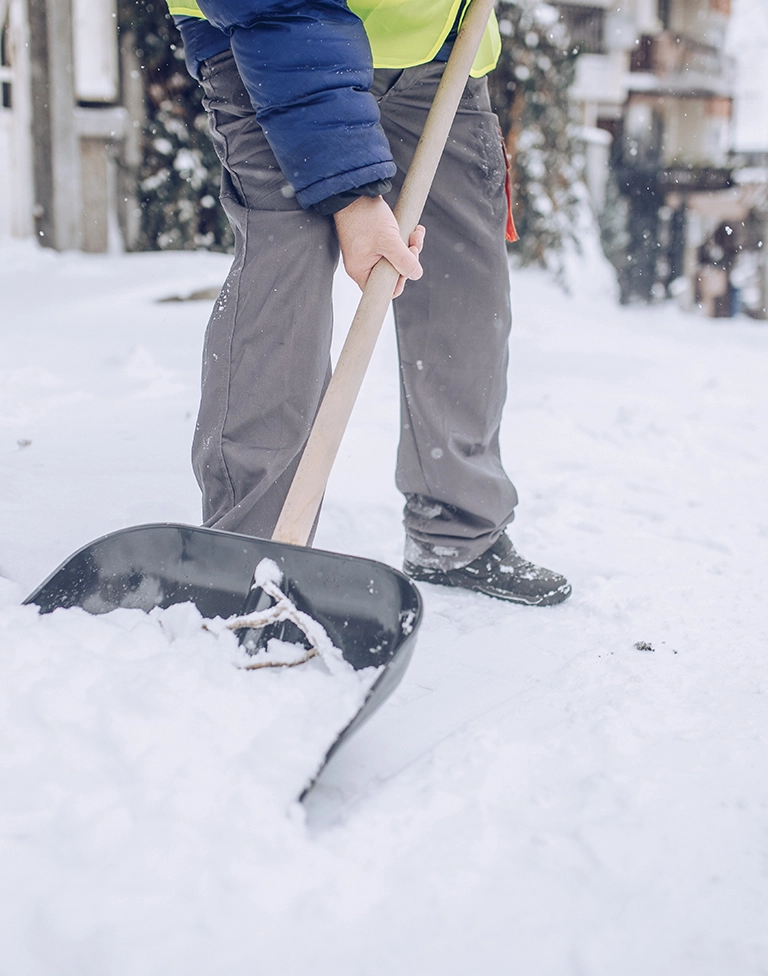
column 56, row 150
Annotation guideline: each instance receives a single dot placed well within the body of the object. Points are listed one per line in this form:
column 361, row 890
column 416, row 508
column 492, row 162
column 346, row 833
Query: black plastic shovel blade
column 370, row 611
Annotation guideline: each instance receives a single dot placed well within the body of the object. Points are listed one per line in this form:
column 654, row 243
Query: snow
column 267, row 572
column 539, row 796
column 138, row 697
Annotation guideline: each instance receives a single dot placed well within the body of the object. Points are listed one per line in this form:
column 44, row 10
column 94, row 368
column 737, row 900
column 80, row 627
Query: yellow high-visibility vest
column 403, row 33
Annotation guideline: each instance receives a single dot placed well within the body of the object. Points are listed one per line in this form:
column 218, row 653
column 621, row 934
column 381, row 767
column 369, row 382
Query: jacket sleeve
column 307, row 67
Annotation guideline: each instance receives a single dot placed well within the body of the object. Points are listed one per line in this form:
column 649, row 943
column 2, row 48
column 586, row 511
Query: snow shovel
column 370, row 611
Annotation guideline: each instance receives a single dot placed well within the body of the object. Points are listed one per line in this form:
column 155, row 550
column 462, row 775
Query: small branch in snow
column 267, row 577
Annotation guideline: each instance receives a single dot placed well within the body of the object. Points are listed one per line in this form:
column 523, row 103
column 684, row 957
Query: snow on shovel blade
column 370, row 611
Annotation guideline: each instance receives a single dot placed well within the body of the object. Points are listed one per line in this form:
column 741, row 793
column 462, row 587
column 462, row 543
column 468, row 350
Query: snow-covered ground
column 539, row 797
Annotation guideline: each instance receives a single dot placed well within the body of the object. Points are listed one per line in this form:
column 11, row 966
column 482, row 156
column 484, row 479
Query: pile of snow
column 129, row 688
column 136, row 750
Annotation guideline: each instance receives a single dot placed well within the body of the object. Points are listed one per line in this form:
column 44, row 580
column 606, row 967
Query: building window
column 642, row 58
column 6, row 96
column 585, row 26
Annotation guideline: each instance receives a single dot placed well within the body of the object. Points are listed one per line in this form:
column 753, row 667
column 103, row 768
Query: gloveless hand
column 367, row 231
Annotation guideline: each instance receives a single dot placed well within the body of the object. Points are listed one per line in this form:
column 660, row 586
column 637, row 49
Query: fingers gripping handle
column 305, row 495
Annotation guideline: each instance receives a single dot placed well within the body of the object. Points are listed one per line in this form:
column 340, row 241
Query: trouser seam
column 237, row 182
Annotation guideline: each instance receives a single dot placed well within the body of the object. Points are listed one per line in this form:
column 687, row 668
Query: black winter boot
column 500, row 572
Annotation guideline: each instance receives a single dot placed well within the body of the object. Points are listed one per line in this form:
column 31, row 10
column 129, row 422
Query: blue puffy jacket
column 307, row 67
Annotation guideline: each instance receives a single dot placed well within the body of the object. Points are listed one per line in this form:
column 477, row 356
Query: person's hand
column 367, row 231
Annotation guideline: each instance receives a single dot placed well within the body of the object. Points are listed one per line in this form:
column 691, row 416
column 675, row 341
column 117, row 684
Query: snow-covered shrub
column 530, row 94
column 178, row 180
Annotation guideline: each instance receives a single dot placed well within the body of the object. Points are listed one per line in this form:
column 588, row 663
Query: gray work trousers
column 266, row 359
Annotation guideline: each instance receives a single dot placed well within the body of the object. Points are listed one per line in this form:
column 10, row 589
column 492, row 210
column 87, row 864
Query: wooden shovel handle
column 306, row 492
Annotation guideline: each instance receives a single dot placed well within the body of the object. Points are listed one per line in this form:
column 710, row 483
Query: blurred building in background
column 655, row 91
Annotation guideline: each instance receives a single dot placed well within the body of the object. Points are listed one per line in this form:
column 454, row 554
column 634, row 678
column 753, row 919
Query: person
column 315, row 108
